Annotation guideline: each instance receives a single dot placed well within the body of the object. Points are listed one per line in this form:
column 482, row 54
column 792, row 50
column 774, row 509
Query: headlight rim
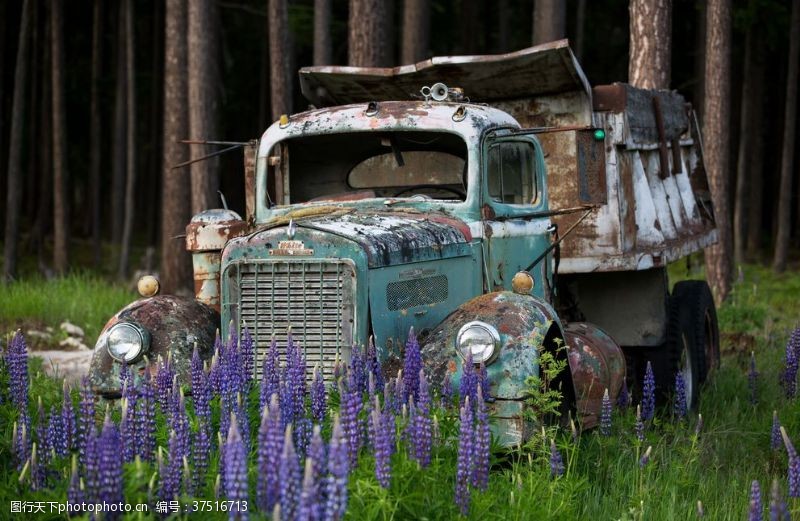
column 493, row 332
column 144, row 341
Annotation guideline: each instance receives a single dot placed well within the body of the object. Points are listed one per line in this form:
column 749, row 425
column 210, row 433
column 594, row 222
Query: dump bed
column 651, row 201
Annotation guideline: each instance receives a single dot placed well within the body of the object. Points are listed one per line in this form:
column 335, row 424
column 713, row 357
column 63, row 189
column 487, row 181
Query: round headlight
column 480, row 339
column 126, row 341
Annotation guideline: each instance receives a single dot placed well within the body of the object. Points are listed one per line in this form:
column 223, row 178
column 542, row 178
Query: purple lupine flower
column 465, row 453
column 679, row 399
column 68, row 419
column 57, row 437
column 125, row 379
column 469, row 380
column 358, row 368
column 479, row 478
column 789, row 379
column 556, row 462
column 110, row 463
column 605, row 415
column 179, row 423
column 483, row 382
column 270, row 447
column 317, row 452
column 165, row 376
column 290, row 477
column 752, row 379
column 447, row 391
column 37, row 469
column 201, row 451
column 794, row 465
column 390, row 398
column 43, row 444
column 146, row 420
column 215, row 368
column 302, row 435
column 20, row 444
column 270, row 375
column 75, row 492
column 775, row 435
column 309, row 503
column 319, row 400
column 638, row 427
column 349, row 409
column 756, row 508
column 624, row 398
column 338, row 469
column 373, row 365
column 293, row 384
column 384, row 428
column 648, row 394
column 201, row 388
column 420, row 424
column 248, row 354
column 127, row 430
column 16, row 359
column 399, row 391
column 412, row 363
column 170, row 472
column 235, row 468
column 645, row 459
column 91, row 465
column 777, row 506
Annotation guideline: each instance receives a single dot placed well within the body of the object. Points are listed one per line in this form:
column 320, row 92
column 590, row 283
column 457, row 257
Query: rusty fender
column 175, row 325
column 596, row 363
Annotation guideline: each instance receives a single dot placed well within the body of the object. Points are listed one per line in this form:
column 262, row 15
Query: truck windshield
column 347, row 167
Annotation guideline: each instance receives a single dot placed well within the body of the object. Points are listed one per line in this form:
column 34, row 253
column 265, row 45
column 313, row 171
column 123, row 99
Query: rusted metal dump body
column 652, row 200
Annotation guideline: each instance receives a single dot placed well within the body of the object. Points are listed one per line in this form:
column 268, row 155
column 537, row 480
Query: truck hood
column 391, row 237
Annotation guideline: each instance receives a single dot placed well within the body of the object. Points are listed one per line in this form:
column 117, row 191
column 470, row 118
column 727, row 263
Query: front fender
column 176, row 325
column 524, row 323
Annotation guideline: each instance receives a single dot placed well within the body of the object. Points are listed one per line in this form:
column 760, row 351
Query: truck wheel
column 695, row 297
column 683, row 353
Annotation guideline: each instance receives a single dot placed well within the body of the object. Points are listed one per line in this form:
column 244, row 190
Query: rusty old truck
column 498, row 205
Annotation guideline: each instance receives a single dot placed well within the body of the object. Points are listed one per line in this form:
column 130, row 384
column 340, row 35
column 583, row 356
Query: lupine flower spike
column 624, row 398
column 794, row 465
column 412, row 363
column 235, row 468
column 638, row 427
column 645, row 459
column 777, row 506
column 556, row 462
column 756, row 507
column 775, row 435
column 465, row 453
column 789, row 379
column 605, row 415
column 383, row 428
column 648, row 394
column 338, row 468
column 679, row 404
column 290, row 477
column 480, row 459
column 752, row 379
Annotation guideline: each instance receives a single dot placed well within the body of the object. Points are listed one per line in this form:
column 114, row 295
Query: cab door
column 514, row 210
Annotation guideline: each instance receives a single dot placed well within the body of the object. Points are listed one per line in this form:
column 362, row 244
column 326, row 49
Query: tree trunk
column 322, row 32
column 14, row 180
column 549, row 20
column 366, row 36
column 175, row 266
column 468, row 24
column 651, row 43
column 416, row 31
column 787, row 155
column 61, row 183
column 31, row 188
column 755, row 206
column 130, row 169
column 503, row 15
column 152, row 210
column 699, row 88
column 279, row 59
column 44, row 212
column 716, row 141
column 95, row 142
column 202, row 102
column 119, row 161
column 744, row 173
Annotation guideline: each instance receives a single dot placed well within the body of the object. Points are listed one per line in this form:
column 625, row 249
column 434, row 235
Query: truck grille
column 315, row 298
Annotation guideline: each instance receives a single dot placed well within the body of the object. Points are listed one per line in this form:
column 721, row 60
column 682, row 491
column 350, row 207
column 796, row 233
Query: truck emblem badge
column 291, row 248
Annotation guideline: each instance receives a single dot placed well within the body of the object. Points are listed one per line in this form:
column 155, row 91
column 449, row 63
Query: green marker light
column 599, row 134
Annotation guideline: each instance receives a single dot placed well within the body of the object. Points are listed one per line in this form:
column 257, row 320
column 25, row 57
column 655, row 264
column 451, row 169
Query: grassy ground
column 603, row 478
column 83, row 299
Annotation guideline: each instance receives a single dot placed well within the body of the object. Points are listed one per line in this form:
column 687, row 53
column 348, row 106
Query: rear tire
column 683, row 352
column 698, row 304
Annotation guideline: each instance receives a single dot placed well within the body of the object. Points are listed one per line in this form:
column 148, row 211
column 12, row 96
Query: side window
column 512, row 175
